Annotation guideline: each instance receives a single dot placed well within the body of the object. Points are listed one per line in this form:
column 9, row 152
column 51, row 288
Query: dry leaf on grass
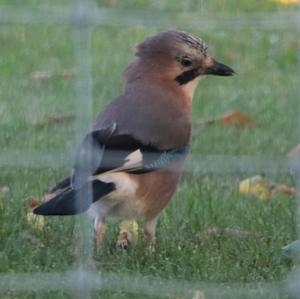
column 257, row 186
column 287, row 1
column 284, row 189
column 236, row 118
column 263, row 188
column 37, row 222
column 32, row 202
column 46, row 75
column 54, row 119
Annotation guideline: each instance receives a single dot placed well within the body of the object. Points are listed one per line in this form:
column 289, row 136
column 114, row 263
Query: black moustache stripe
column 187, row 76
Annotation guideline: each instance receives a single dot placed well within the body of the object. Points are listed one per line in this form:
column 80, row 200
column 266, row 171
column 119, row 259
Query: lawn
column 209, row 232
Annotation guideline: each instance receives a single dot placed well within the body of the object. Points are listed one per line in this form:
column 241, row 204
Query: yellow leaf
column 37, row 222
column 264, row 189
column 257, row 186
column 287, row 1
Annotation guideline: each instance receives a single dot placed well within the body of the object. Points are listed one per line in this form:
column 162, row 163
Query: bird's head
column 180, row 57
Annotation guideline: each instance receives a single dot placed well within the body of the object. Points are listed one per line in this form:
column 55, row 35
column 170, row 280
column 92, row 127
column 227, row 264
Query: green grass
column 266, row 88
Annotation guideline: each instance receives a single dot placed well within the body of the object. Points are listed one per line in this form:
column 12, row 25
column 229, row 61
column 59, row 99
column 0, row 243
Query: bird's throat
column 190, row 87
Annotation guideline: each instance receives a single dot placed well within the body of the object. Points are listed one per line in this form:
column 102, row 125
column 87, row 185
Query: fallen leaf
column 287, row 1
column 284, row 189
column 54, row 119
column 236, row 118
column 32, row 202
column 37, row 222
column 264, row 189
column 256, row 185
column 46, row 75
column 295, row 152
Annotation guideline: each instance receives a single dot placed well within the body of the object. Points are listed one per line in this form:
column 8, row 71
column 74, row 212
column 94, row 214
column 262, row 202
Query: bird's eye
column 186, row 61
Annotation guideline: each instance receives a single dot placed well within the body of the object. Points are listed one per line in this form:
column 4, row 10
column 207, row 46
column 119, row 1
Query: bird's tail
column 75, row 201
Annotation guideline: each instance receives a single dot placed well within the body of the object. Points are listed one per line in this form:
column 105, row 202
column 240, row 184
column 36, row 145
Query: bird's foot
column 123, row 241
column 128, row 234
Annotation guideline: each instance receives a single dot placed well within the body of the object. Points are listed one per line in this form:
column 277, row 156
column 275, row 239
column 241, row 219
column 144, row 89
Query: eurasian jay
column 132, row 159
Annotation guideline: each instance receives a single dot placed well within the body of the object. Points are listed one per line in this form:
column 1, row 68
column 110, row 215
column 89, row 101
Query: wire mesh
column 82, row 279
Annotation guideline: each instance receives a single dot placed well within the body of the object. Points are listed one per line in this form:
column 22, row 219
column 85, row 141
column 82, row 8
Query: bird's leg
column 128, row 234
column 99, row 226
column 149, row 232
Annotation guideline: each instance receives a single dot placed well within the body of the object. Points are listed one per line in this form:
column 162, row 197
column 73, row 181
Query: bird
column 129, row 164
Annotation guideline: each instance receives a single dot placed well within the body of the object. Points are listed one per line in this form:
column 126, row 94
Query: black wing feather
column 69, row 201
column 63, row 184
column 101, row 151
column 110, row 152
column 90, row 155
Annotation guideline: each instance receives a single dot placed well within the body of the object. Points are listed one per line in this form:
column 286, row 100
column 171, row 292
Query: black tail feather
column 71, row 202
column 65, row 183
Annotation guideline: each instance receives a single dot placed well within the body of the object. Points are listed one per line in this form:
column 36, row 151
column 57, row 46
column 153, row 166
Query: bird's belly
column 121, row 203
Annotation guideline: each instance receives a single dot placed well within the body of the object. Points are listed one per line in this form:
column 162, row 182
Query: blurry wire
column 93, row 15
column 82, row 37
column 134, row 284
column 196, row 163
column 82, row 19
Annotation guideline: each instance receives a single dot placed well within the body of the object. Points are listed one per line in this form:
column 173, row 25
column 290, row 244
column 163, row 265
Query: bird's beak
column 218, row 69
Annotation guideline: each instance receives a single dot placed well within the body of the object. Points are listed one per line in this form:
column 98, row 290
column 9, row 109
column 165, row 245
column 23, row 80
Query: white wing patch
column 133, row 160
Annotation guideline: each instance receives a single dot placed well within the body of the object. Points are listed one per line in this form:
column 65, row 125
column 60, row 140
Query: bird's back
column 151, row 115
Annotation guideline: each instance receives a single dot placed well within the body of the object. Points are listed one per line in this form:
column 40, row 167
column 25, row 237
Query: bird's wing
column 104, row 151
column 69, row 201
column 89, row 156
column 61, row 185
column 107, row 150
